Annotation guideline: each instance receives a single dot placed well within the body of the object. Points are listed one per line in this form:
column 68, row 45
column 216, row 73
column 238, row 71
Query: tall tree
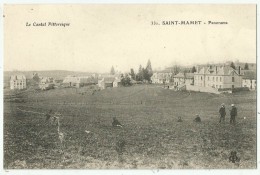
column 140, row 76
column 112, row 71
column 232, row 65
column 149, row 70
column 176, row 69
column 132, row 73
column 246, row 67
column 193, row 69
column 146, row 75
column 149, row 67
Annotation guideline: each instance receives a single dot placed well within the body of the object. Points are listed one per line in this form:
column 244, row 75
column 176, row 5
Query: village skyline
column 136, row 67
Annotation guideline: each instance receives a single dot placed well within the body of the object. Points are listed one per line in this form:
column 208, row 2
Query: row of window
column 19, row 84
column 213, row 78
column 249, row 81
column 216, row 78
column 215, row 86
column 210, row 78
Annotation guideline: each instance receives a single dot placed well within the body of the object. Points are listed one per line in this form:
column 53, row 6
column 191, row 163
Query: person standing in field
column 222, row 112
column 233, row 114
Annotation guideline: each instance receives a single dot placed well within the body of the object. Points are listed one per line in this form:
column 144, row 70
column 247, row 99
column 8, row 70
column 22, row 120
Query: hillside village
column 211, row 78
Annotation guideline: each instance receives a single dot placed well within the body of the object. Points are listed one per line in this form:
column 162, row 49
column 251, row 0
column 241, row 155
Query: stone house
column 17, row 82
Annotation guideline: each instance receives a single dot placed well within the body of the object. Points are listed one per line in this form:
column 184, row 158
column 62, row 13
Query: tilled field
column 153, row 138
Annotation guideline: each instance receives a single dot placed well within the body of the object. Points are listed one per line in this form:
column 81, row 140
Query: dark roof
column 186, row 75
column 179, row 75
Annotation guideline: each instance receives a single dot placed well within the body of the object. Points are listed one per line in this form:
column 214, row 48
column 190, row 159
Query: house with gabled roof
column 106, row 81
column 161, row 77
column 79, row 81
column 183, row 78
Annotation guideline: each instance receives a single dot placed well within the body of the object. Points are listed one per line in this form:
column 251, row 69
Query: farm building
column 249, row 79
column 218, row 77
column 17, row 82
column 161, row 77
column 108, row 81
column 46, row 83
column 75, row 81
column 183, row 79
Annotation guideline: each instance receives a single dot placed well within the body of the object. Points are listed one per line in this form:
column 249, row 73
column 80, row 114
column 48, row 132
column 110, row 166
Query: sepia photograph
column 129, row 86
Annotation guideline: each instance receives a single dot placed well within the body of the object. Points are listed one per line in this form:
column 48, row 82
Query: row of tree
column 144, row 73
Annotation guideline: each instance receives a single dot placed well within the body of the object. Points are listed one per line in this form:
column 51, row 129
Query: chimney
column 239, row 70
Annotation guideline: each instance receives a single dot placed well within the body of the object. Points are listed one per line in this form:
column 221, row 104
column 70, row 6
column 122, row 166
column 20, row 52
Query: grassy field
column 153, row 137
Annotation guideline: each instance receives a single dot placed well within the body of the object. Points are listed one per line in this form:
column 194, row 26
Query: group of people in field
column 222, row 112
column 233, row 113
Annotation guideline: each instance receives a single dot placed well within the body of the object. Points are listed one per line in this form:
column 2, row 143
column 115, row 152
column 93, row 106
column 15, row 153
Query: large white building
column 18, row 82
column 218, row 77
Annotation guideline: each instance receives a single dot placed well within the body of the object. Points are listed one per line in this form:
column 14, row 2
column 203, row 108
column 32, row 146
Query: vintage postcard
column 129, row 86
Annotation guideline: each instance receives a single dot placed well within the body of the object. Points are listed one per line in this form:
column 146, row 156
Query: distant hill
column 57, row 74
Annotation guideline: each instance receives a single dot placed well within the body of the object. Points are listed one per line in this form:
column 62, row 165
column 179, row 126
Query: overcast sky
column 100, row 36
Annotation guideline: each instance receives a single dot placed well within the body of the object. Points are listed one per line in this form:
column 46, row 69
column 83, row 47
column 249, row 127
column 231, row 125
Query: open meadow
column 153, row 137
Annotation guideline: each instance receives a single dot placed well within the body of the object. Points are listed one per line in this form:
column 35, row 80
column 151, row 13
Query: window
column 220, row 79
column 201, row 77
column 213, row 78
column 216, row 78
column 216, row 86
column 233, row 86
column 219, row 86
column 208, row 78
column 233, row 79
